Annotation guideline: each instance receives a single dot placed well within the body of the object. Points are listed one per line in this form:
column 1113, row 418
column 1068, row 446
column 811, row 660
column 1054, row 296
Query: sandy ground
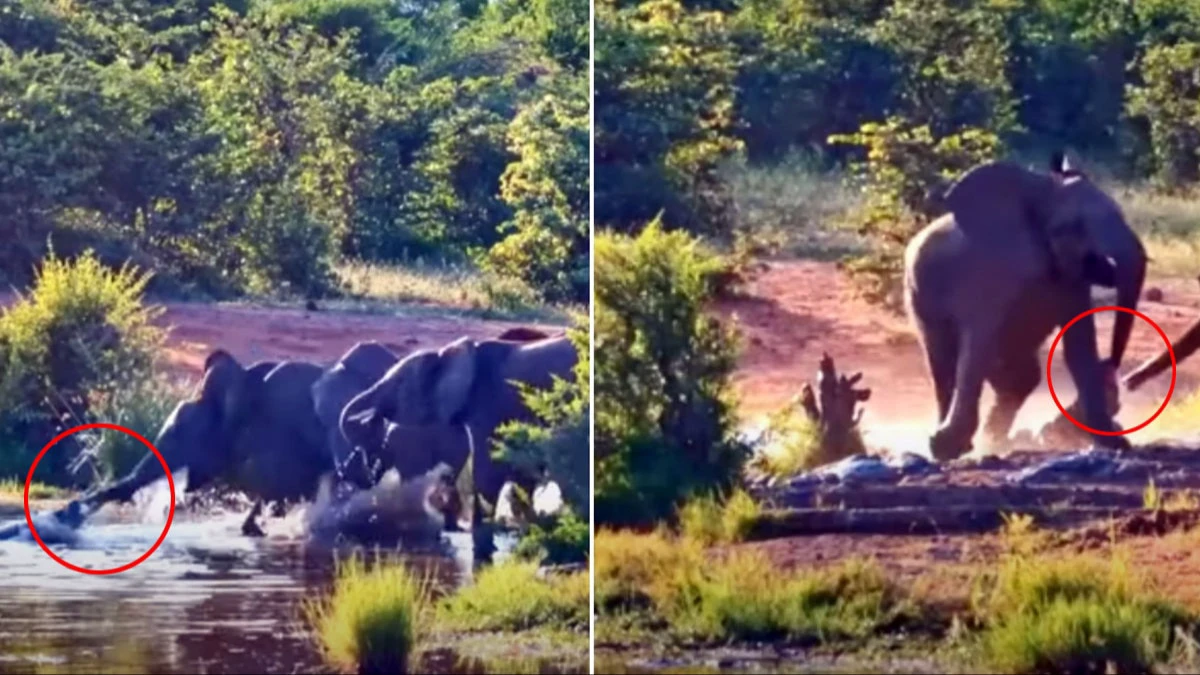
column 252, row 333
column 797, row 310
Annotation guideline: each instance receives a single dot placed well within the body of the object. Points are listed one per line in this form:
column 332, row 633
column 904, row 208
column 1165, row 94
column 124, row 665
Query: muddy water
column 208, row 601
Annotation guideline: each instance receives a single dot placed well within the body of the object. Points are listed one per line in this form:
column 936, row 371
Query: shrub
column 713, row 520
column 81, row 334
column 547, row 188
column 1168, row 100
column 664, row 419
column 512, row 597
column 739, row 596
column 142, row 406
column 905, row 170
column 663, row 104
column 374, row 620
column 1074, row 614
column 556, row 540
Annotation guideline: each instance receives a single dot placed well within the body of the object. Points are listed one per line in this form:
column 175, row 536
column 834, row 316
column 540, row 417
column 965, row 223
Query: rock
column 1093, row 463
column 1153, row 294
column 912, row 464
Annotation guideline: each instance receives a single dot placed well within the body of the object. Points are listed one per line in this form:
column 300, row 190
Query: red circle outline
column 170, row 514
column 1050, row 379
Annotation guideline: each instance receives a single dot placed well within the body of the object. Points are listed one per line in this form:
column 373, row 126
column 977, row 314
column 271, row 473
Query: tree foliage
column 249, row 147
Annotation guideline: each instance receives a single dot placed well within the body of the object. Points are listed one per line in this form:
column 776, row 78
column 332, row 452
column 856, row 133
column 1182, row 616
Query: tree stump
column 835, row 409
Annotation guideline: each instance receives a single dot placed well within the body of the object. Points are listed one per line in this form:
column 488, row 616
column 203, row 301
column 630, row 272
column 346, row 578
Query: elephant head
column 1081, row 231
column 425, row 388
column 435, row 406
column 239, row 425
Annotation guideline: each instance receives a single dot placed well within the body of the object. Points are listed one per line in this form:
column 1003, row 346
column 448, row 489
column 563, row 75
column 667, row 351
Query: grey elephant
column 355, row 372
column 988, row 282
column 252, row 428
column 435, row 406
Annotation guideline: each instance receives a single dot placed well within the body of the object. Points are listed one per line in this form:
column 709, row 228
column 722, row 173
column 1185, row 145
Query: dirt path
column 253, row 333
column 796, row 310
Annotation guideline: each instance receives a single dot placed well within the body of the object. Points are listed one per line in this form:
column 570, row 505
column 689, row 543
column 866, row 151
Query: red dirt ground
column 253, row 333
column 796, row 310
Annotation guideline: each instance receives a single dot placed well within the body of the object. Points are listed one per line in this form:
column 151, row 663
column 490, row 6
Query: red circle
column 1050, row 379
column 170, row 514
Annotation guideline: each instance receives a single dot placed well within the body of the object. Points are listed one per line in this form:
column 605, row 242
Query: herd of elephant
column 276, row 430
column 1013, row 259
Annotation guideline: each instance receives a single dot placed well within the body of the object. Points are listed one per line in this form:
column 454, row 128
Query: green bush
column 664, row 427
column 81, row 334
column 1169, row 102
column 1072, row 615
column 663, row 105
column 548, row 189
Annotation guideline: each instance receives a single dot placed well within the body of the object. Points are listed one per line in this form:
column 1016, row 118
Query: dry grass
column 716, row 520
column 13, row 490
column 374, row 620
column 794, row 207
column 511, row 597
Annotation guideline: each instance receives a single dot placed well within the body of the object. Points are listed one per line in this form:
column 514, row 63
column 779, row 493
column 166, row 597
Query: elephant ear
column 223, row 383
column 454, row 380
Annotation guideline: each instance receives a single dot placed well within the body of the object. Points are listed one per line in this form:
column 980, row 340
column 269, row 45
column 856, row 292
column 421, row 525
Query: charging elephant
column 987, row 283
column 252, row 428
column 451, row 400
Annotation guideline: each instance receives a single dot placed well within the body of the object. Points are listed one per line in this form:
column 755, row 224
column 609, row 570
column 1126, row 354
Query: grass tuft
column 741, row 596
column 373, row 621
column 712, row 520
column 1074, row 615
column 511, row 597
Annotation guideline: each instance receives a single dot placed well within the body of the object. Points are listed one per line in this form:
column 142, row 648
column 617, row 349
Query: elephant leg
column 1083, row 362
column 1013, row 380
column 941, row 353
column 953, row 437
column 250, row 527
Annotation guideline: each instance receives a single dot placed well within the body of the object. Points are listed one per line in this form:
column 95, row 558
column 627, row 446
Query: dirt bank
column 253, row 333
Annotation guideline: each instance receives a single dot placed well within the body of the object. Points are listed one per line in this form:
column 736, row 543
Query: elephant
column 252, row 427
column 359, row 368
column 452, row 400
column 986, row 283
column 1184, row 347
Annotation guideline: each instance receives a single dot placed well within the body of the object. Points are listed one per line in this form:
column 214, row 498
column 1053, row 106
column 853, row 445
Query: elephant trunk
column 1131, row 274
column 1184, row 347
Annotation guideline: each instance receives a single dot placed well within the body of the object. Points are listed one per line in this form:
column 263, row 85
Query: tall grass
column 448, row 286
column 712, row 519
column 12, row 489
column 740, row 596
column 794, row 206
column 512, row 597
column 1074, row 614
column 374, row 620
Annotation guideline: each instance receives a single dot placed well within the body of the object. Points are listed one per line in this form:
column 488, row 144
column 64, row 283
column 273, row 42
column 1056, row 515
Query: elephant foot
column 945, row 448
